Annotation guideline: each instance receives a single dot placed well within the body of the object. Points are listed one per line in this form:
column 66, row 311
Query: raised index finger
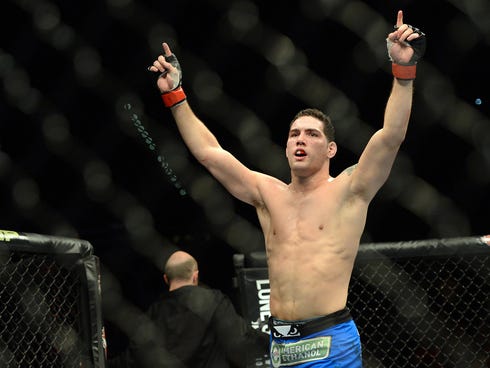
column 166, row 49
column 399, row 18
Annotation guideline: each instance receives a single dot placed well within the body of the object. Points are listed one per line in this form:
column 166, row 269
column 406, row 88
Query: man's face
column 307, row 146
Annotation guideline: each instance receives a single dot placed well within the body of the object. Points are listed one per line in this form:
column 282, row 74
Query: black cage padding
column 416, row 304
column 50, row 303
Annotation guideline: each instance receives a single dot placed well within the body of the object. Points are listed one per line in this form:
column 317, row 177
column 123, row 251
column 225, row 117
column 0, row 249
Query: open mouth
column 300, row 153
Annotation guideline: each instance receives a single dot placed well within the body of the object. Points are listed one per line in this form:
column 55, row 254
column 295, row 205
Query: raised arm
column 240, row 181
column 405, row 47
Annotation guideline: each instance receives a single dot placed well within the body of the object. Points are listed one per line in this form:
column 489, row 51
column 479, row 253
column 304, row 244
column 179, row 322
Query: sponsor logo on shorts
column 308, row 350
column 285, row 330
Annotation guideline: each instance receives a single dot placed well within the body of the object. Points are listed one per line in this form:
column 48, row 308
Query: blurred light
column 87, row 63
column 402, row 168
column 202, row 188
column 243, row 16
column 63, row 37
column 423, row 199
column 97, row 176
column 139, row 221
column 216, row 203
column 208, row 86
column 435, row 209
column 219, row 210
column 478, row 168
column 438, row 92
column 342, row 111
column 315, row 90
column 159, row 33
column 448, row 221
column 273, row 160
column 30, row 102
column 291, row 74
column 249, row 127
column 25, row 193
column 462, row 34
column 17, row 83
column 485, row 146
column 124, row 114
column 176, row 156
column 243, row 236
column 357, row 16
column 312, row 9
column 56, row 129
column 479, row 13
column 63, row 228
column 119, row 3
column 7, row 63
column 5, row 163
column 280, row 50
column 46, row 16
column 151, row 145
column 363, row 60
column 327, row 7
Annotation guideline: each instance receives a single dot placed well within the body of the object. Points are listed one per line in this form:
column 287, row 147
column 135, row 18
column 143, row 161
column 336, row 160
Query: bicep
column 238, row 179
column 374, row 166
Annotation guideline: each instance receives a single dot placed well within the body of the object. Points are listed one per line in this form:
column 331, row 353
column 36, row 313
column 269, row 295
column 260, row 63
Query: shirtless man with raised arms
column 313, row 225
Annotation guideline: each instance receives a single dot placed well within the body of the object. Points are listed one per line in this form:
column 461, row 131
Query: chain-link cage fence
column 423, row 304
column 45, row 296
column 416, row 304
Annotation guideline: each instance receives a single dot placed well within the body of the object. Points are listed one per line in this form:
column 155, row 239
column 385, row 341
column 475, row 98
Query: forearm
column 397, row 112
column 406, row 45
column 197, row 137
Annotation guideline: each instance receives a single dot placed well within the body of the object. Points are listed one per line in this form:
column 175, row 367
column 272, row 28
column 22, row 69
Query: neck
column 308, row 183
column 174, row 285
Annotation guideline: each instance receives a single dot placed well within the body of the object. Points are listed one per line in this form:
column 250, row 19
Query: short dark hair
column 328, row 128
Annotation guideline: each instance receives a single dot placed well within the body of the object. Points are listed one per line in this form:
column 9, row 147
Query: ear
column 195, row 277
column 165, row 278
column 331, row 149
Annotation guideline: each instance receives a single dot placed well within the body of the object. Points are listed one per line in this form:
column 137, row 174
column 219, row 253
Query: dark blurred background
column 88, row 150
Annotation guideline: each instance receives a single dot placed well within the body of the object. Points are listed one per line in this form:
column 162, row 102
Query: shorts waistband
column 297, row 329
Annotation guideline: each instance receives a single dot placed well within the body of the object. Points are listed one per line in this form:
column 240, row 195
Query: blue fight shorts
column 330, row 341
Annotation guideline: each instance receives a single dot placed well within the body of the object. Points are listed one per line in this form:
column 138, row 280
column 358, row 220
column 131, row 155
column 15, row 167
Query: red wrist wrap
column 174, row 97
column 406, row 72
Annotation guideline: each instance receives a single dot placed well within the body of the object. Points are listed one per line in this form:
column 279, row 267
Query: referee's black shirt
column 196, row 327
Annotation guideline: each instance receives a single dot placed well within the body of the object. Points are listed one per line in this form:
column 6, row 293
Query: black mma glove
column 407, row 71
column 176, row 95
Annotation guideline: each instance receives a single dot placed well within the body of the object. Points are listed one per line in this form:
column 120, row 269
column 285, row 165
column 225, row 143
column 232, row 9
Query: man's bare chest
column 310, row 214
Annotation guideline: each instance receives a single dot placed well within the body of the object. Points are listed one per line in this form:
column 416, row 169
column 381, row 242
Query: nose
column 300, row 141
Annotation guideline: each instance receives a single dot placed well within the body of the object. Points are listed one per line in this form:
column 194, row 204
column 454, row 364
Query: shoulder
column 269, row 180
column 343, row 184
column 349, row 170
column 344, row 177
column 201, row 300
column 210, row 295
column 347, row 180
column 269, row 185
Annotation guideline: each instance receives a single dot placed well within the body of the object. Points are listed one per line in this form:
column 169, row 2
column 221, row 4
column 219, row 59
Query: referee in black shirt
column 193, row 327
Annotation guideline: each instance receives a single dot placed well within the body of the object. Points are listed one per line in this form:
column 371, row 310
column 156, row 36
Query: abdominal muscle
column 311, row 244
column 312, row 238
column 308, row 280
